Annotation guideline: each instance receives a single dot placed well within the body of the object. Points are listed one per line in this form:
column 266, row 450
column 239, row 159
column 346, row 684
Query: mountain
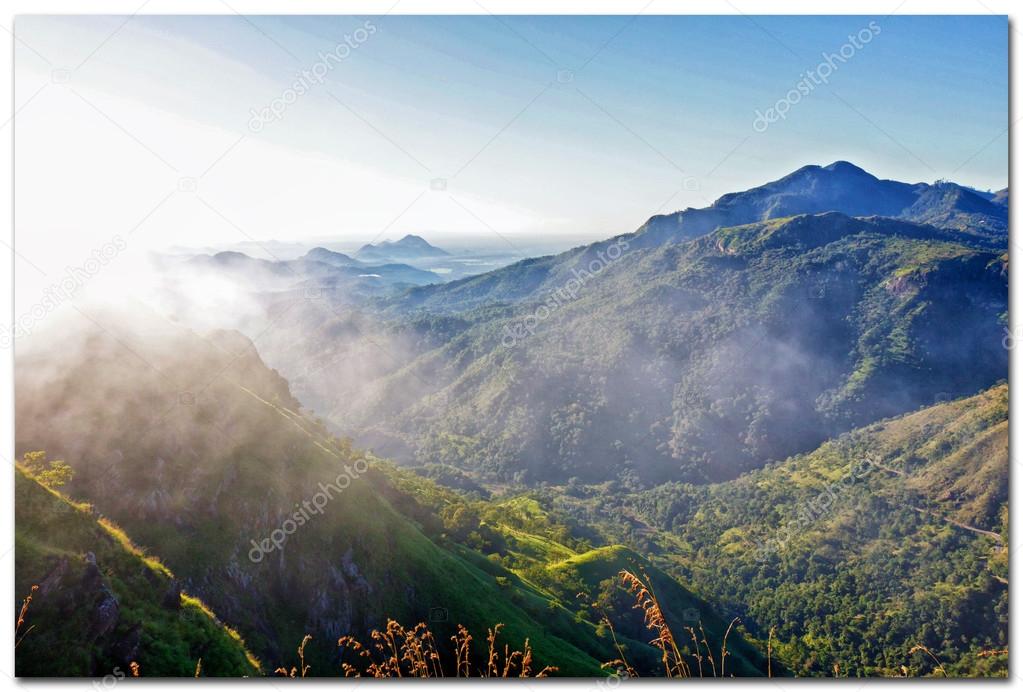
column 947, row 205
column 890, row 537
column 320, row 270
column 410, row 248
column 840, row 187
column 338, row 259
column 319, row 265
column 100, row 604
column 697, row 360
column 201, row 453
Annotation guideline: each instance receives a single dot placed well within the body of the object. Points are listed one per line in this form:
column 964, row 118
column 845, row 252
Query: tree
column 52, row 474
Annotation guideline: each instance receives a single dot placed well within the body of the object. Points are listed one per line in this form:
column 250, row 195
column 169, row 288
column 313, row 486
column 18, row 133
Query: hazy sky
column 558, row 125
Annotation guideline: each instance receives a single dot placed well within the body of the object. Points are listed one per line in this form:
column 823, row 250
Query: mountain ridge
column 811, row 189
column 410, row 247
column 840, row 186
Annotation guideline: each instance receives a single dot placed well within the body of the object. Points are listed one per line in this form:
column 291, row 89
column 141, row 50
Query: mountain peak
column 229, row 257
column 322, row 254
column 846, row 167
column 413, row 242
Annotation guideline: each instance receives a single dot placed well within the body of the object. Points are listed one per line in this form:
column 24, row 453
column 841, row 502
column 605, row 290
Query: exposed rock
column 126, row 648
column 104, row 615
column 106, row 609
column 351, row 570
column 172, row 596
column 52, row 581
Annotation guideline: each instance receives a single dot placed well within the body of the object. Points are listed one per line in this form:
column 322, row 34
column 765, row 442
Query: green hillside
column 101, row 604
column 550, row 554
column 206, row 480
column 886, row 538
column 597, row 570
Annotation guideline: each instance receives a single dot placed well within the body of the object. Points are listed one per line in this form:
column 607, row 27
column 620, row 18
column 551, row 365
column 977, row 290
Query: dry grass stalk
column 724, row 644
column 21, row 618
column 937, row 663
column 696, row 648
column 710, row 655
column 398, row 652
column 462, row 641
column 491, row 652
column 671, row 657
column 619, row 663
column 302, row 669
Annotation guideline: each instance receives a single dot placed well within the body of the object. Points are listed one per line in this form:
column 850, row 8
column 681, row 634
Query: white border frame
column 11, row 8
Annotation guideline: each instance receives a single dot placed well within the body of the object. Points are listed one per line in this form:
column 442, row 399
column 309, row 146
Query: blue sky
column 559, row 125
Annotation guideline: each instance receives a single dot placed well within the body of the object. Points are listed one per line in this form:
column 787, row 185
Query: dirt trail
column 936, row 515
column 961, row 525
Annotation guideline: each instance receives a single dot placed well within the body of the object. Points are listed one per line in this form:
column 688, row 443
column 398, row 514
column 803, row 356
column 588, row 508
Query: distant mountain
column 319, row 270
column 841, row 187
column 848, row 318
column 1001, row 197
column 409, row 248
column 338, row 259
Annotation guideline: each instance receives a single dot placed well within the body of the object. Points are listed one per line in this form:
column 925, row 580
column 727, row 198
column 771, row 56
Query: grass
column 70, row 562
column 121, row 537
